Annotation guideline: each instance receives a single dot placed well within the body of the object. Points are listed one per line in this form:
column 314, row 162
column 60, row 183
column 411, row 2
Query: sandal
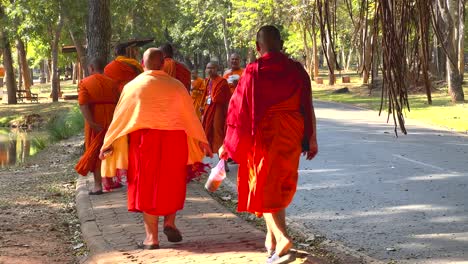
column 96, row 192
column 289, row 257
column 140, row 245
column 173, row 234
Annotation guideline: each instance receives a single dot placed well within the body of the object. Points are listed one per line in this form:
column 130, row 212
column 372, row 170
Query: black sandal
column 173, row 234
column 96, row 192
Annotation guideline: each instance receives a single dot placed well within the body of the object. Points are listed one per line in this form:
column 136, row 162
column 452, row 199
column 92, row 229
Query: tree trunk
column 98, row 30
column 80, row 52
column 331, row 62
column 461, row 39
column 20, row 73
column 8, row 64
column 226, row 42
column 48, row 69
column 350, row 56
column 23, row 62
column 55, row 69
column 449, row 14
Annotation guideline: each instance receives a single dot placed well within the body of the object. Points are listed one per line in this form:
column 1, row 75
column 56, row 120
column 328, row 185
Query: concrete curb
column 92, row 235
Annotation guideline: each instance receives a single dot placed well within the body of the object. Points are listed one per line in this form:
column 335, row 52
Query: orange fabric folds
column 267, row 180
column 177, row 70
column 101, row 94
column 153, row 100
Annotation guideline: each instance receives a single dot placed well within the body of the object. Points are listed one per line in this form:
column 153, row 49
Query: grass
column 442, row 112
column 66, row 124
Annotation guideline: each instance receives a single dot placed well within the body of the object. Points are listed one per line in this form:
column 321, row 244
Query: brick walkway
column 211, row 233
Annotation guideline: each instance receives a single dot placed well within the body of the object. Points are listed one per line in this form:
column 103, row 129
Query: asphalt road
column 402, row 199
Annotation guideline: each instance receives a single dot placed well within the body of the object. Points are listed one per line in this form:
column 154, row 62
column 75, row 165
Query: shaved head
column 234, row 60
column 269, row 39
column 212, row 69
column 153, row 59
column 96, row 65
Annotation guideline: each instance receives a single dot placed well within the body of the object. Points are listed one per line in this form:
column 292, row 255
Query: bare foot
column 283, row 246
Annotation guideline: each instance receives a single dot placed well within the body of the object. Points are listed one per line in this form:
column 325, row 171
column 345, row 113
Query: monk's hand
column 205, row 147
column 222, row 153
column 105, row 153
column 313, row 149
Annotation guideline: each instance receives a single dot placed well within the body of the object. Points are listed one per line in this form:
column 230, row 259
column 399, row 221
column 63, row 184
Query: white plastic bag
column 217, row 176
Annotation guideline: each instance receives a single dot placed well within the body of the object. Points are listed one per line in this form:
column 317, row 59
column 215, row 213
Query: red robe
column 121, row 71
column 214, row 115
column 179, row 71
column 269, row 123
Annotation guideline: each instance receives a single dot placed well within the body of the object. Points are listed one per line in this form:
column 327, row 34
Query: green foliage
column 66, row 124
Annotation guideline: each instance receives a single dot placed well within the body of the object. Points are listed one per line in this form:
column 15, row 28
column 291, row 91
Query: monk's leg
column 270, row 241
column 151, row 228
column 169, row 220
column 277, row 222
column 97, row 180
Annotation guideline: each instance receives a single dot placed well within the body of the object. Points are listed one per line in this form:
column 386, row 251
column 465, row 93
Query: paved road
column 403, row 199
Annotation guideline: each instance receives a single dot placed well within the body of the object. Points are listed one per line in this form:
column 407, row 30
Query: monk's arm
column 89, row 117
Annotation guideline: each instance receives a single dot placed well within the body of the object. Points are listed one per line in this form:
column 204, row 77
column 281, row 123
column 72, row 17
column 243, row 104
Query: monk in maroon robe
column 270, row 122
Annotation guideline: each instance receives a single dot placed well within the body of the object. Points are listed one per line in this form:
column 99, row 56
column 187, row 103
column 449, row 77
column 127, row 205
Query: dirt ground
column 38, row 222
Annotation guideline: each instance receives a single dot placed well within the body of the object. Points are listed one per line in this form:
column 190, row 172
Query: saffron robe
column 228, row 73
column 101, row 94
column 122, row 70
column 217, row 93
column 198, row 89
column 157, row 113
column 269, row 124
column 179, row 71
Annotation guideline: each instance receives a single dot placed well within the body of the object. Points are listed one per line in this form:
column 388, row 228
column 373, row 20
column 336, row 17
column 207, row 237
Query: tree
column 99, row 29
column 449, row 12
column 7, row 59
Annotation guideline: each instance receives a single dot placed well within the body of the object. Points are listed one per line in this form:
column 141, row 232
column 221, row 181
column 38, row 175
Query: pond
column 17, row 145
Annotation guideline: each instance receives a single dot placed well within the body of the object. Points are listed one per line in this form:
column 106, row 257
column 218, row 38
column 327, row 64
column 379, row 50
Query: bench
column 23, row 94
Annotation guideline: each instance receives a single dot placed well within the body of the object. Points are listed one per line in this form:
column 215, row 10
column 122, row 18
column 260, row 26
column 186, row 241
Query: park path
column 370, row 193
column 211, row 233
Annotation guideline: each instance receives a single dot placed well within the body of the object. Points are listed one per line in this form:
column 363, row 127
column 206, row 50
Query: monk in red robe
column 233, row 74
column 270, row 122
column 156, row 114
column 122, row 69
column 97, row 96
column 215, row 103
column 175, row 68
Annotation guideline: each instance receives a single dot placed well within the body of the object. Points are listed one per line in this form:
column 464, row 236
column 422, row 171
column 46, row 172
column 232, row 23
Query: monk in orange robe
column 215, row 104
column 234, row 73
column 156, row 113
column 122, row 69
column 270, row 122
column 97, row 96
column 197, row 92
column 175, row 68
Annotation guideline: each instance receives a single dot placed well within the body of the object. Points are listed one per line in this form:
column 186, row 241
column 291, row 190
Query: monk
column 175, row 68
column 233, row 74
column 97, row 96
column 215, row 104
column 197, row 92
column 123, row 69
column 270, row 122
column 156, row 113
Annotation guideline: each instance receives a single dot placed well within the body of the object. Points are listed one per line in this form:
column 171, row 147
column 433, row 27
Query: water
column 17, row 145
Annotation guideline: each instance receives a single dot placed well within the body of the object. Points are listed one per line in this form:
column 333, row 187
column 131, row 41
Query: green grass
column 441, row 113
column 66, row 124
